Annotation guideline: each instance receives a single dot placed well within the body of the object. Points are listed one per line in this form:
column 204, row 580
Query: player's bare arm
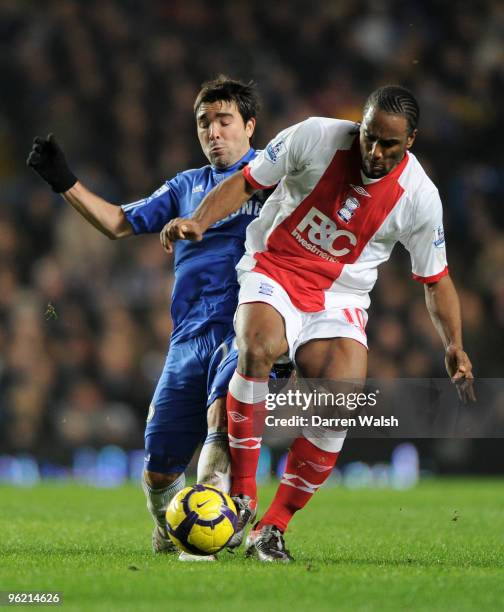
column 106, row 217
column 48, row 161
column 444, row 309
column 223, row 200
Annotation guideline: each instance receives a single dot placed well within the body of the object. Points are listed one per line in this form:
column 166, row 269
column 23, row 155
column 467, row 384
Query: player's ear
column 411, row 138
column 250, row 127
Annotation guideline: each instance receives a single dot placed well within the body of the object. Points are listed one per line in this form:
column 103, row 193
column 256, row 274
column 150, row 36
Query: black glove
column 47, row 159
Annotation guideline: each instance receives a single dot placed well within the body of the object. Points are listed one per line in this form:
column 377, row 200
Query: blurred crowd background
column 84, row 322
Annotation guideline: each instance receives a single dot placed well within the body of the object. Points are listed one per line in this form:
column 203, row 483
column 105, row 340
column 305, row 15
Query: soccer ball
column 201, row 519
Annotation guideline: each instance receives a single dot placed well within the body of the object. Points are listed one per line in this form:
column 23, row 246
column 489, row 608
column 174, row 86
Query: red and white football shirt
column 326, row 228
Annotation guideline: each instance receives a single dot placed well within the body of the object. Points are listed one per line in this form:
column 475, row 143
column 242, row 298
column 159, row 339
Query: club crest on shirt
column 266, row 288
column 347, row 211
column 439, row 238
column 275, row 150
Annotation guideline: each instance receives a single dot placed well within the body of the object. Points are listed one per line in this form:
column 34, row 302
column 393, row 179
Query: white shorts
column 301, row 327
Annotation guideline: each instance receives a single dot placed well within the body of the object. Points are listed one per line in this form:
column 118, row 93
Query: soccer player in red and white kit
column 346, row 193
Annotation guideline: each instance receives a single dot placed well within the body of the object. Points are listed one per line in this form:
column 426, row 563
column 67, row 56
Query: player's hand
column 459, row 368
column 48, row 161
column 180, row 229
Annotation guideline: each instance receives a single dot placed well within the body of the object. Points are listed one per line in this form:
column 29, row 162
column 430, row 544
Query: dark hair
column 244, row 95
column 397, row 100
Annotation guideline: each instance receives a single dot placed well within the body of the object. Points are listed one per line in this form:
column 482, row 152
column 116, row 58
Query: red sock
column 245, row 410
column 307, row 468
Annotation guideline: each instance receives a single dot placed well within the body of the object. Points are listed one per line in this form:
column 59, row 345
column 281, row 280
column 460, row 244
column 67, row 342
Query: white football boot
column 161, row 543
column 245, row 508
column 267, row 544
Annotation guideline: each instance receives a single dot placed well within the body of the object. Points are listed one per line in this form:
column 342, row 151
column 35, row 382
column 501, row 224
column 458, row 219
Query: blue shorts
column 196, row 372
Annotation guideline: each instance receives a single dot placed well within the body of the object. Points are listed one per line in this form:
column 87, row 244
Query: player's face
column 223, row 135
column 384, row 138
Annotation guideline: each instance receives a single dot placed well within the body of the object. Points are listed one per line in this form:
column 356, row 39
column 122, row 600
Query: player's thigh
column 183, row 382
column 338, row 366
column 177, row 415
column 258, row 324
column 266, row 318
column 333, row 358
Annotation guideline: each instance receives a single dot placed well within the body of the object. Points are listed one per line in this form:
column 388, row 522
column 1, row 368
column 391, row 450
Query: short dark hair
column 397, row 100
column 244, row 95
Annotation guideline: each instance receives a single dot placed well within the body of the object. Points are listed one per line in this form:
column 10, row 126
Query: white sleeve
column 288, row 153
column 426, row 242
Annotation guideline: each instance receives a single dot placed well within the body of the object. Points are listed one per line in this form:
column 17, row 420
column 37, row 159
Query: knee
column 255, row 352
column 156, row 480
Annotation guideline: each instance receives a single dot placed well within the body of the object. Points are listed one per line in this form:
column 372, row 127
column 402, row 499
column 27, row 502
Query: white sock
column 214, row 464
column 158, row 499
column 324, row 438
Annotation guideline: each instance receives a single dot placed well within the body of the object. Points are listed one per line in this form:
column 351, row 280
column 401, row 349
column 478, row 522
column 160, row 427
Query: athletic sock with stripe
column 308, row 467
column 246, row 412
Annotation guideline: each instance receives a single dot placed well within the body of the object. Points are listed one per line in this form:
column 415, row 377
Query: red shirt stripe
column 251, row 180
column 306, row 253
column 431, row 279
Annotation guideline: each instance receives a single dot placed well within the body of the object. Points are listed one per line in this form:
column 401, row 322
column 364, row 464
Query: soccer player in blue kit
column 200, row 361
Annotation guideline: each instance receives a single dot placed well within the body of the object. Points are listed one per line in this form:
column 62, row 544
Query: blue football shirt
column 205, row 289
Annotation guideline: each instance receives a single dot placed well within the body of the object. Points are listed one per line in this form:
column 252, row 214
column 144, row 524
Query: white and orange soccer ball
column 201, row 519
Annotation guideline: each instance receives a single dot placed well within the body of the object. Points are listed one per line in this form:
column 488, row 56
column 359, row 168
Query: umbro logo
column 319, row 468
column 237, row 417
column 360, row 190
column 198, row 189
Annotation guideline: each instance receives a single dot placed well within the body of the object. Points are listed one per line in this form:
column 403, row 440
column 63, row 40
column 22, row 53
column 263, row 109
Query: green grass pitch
column 439, row 546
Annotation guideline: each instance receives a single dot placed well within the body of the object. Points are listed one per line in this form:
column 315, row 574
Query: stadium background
column 84, row 322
